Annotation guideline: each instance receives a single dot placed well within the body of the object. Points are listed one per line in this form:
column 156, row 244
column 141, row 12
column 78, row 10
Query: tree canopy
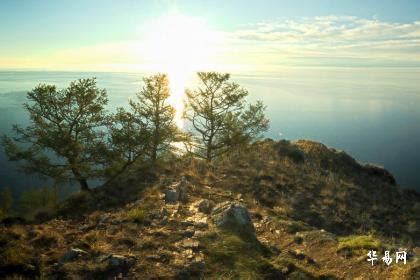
column 65, row 135
column 220, row 117
column 147, row 129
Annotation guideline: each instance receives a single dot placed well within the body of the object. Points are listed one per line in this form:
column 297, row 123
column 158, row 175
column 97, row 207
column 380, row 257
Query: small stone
column 102, row 258
column 199, row 222
column 199, row 233
column 118, row 261
column 187, row 223
column 171, row 196
column 188, row 233
column 153, row 257
column 176, row 192
column 298, row 254
column 164, row 212
column 103, row 219
column 190, row 243
column 298, row 239
column 73, row 254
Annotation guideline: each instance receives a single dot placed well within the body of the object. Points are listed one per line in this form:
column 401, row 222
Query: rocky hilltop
column 278, row 210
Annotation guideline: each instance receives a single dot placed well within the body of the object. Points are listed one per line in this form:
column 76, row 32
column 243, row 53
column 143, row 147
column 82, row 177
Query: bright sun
column 179, row 46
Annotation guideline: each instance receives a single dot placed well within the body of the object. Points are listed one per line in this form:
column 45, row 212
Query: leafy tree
column 153, row 108
column 64, row 139
column 220, row 117
column 6, row 202
column 148, row 129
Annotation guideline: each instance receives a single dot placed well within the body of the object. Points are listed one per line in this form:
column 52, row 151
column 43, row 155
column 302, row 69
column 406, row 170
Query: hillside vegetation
column 271, row 210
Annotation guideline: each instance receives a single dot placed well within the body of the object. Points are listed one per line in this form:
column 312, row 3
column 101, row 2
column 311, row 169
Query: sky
column 236, row 36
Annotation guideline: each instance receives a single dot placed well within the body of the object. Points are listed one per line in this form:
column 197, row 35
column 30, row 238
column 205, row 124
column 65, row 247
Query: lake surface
column 372, row 114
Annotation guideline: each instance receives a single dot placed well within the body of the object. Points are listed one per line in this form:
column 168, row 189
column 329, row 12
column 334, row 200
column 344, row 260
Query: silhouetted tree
column 147, row 130
column 220, row 117
column 65, row 138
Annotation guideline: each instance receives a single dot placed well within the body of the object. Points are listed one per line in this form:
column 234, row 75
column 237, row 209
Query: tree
column 152, row 109
column 220, row 117
column 145, row 131
column 64, row 139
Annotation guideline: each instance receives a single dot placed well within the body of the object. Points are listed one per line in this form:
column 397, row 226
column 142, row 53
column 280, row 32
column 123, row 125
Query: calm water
column 373, row 114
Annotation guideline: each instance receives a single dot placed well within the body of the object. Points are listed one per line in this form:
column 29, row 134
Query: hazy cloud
column 342, row 41
column 330, row 37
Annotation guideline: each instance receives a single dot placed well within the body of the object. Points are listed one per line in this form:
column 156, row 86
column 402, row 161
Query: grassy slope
column 316, row 212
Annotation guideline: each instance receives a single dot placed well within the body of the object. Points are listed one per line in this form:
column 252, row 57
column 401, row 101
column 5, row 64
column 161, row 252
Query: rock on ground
column 233, row 216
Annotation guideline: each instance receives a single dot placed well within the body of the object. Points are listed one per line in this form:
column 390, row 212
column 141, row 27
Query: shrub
column 358, row 244
column 285, row 149
column 137, row 215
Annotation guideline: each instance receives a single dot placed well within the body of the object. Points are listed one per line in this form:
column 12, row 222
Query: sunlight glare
column 179, row 46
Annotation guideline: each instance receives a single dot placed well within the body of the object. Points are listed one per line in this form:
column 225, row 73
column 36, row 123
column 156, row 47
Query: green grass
column 137, row 215
column 235, row 257
column 358, row 244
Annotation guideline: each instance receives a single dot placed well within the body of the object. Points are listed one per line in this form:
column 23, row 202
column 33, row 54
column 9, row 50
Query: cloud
column 339, row 41
column 347, row 40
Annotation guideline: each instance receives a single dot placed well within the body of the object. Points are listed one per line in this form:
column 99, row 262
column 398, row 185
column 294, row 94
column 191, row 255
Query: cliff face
column 277, row 210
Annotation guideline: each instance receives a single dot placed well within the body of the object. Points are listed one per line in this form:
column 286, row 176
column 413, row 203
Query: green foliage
column 64, row 140
column 34, row 201
column 137, row 215
column 153, row 109
column 148, row 129
column 220, row 117
column 6, row 203
column 358, row 244
column 128, row 138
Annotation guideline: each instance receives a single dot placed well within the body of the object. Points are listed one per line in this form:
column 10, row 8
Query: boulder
column 233, row 216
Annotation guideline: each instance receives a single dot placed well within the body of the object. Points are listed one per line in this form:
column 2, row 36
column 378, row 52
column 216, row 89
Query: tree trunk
column 82, row 181
column 154, row 154
column 209, row 153
column 84, row 187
